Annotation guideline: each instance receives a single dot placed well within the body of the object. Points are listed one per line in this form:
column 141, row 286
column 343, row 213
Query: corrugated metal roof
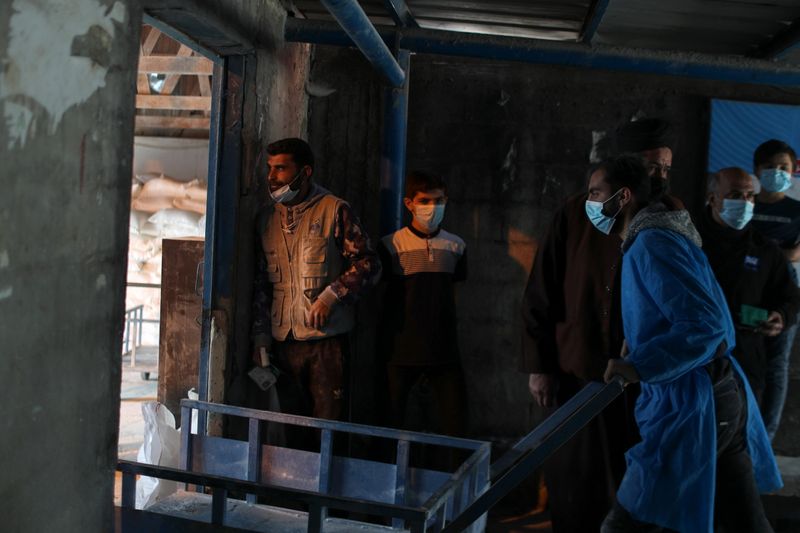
column 736, row 27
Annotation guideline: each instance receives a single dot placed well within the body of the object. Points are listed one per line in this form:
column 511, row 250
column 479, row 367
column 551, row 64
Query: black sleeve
column 543, row 300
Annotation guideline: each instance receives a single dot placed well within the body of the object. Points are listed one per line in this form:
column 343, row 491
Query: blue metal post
column 224, row 164
column 594, row 20
column 393, row 151
column 358, row 26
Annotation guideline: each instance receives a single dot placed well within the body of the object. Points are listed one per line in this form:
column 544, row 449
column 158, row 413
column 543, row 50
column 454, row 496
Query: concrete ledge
column 790, row 471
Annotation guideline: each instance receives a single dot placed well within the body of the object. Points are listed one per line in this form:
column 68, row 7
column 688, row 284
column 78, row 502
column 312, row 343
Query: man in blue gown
column 704, row 454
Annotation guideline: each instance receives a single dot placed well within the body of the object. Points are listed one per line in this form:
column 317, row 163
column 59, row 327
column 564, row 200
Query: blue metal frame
column 359, row 28
column 593, row 22
column 399, row 11
column 181, row 38
column 702, row 66
column 393, row 150
column 224, row 167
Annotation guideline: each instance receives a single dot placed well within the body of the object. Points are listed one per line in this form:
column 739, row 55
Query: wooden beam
column 176, row 65
column 178, row 123
column 150, row 41
column 142, row 84
column 205, row 85
column 153, row 101
column 172, row 79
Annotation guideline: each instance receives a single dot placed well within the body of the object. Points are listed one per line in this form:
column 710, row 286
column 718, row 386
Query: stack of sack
column 161, row 207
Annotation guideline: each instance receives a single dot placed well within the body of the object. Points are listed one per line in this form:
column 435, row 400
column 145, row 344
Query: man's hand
column 543, row 388
column 318, row 314
column 773, row 325
column 620, row 367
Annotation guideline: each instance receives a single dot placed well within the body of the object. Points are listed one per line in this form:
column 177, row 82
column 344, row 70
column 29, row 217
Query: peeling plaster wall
column 67, row 85
column 513, row 141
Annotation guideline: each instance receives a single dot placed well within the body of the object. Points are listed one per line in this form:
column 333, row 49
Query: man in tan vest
column 315, row 261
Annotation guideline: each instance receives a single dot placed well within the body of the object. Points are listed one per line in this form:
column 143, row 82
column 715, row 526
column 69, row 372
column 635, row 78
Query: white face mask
column 285, row 193
column 429, row 216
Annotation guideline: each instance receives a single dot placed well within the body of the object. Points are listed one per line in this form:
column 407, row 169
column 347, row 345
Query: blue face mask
column 736, row 213
column 601, row 221
column 775, row 180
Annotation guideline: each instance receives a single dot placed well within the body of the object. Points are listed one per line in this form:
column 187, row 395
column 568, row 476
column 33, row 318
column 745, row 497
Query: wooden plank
column 205, row 85
column 172, row 80
column 142, row 85
column 176, row 65
column 153, row 101
column 179, row 336
column 178, row 123
column 150, row 41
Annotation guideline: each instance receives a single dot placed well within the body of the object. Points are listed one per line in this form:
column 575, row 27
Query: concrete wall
column 66, row 136
column 513, row 140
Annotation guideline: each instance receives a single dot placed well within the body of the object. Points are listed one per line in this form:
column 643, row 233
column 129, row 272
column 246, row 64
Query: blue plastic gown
column 675, row 317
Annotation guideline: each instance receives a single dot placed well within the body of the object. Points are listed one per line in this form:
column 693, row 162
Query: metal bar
column 325, row 466
column 144, row 285
column 348, row 427
column 215, row 138
column 358, row 26
column 128, row 490
column 315, row 518
column 186, row 439
column 472, row 464
column 275, row 493
column 222, row 211
column 536, row 51
column 254, row 455
column 572, row 421
column 393, row 151
column 402, row 16
column 219, row 501
column 541, row 431
column 781, row 43
column 593, row 20
column 401, row 475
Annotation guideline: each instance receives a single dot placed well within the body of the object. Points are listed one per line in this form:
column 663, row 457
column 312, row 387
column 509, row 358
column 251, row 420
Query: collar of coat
column 658, row 216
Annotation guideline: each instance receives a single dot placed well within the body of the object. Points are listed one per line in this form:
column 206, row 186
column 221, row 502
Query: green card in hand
column 753, row 316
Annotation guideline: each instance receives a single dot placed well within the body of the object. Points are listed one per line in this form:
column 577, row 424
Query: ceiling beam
column 399, row 11
column 593, row 21
column 178, row 123
column 781, row 43
column 176, row 65
column 158, row 101
column 538, row 51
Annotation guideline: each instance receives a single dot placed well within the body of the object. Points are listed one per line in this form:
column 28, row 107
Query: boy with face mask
column 421, row 263
column 750, row 269
column 777, row 217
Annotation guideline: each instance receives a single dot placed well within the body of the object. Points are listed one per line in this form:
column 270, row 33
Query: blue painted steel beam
column 399, row 11
column 781, row 44
column 181, row 37
column 690, row 65
column 593, row 22
column 224, row 166
column 393, row 151
column 357, row 25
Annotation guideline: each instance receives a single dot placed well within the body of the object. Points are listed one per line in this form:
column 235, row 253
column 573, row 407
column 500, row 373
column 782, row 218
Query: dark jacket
column 751, row 270
column 571, row 303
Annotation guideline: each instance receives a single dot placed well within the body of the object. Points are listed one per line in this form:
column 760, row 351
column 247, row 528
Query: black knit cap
column 644, row 134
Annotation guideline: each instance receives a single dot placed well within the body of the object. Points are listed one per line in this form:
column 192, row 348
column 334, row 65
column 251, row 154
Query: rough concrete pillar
column 67, row 86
